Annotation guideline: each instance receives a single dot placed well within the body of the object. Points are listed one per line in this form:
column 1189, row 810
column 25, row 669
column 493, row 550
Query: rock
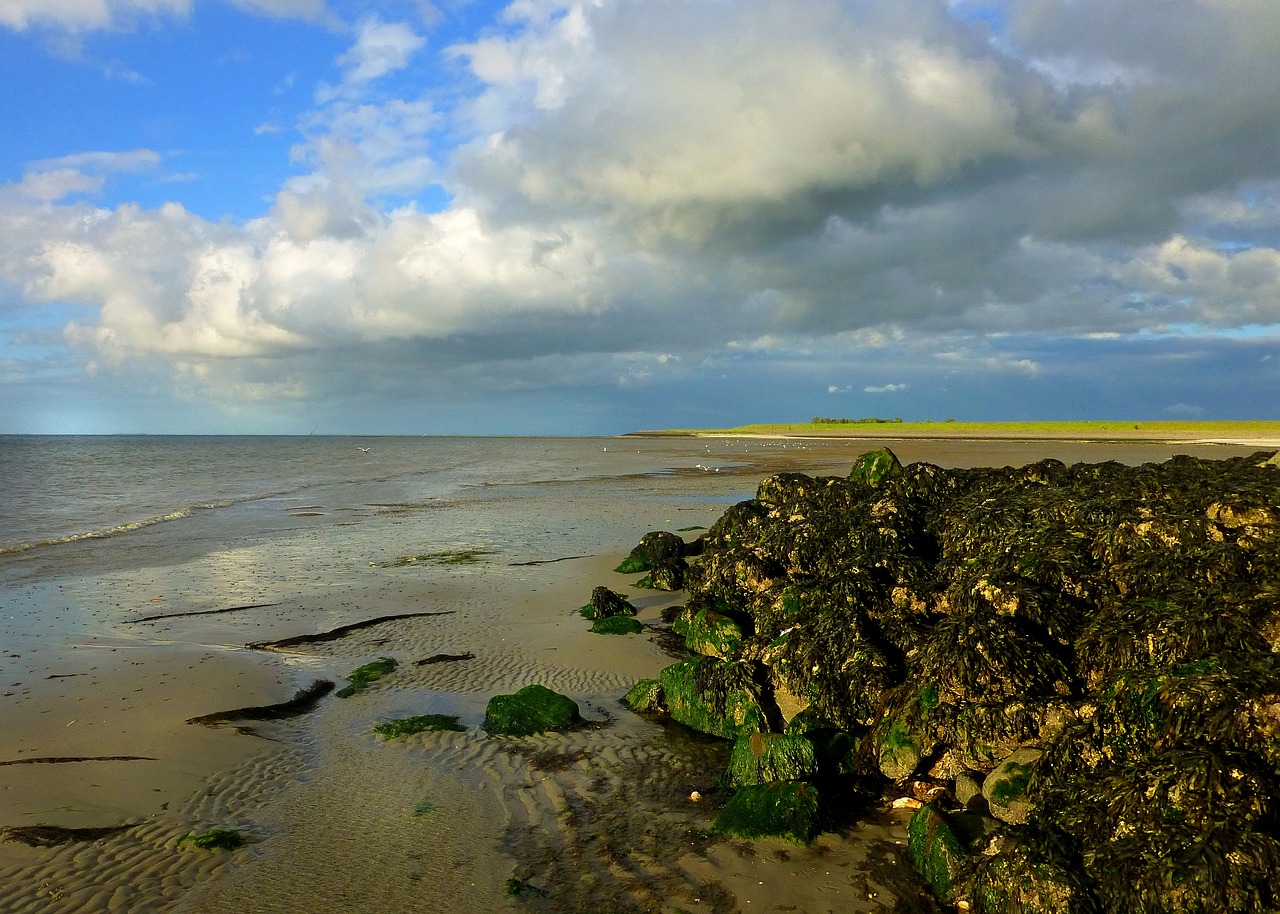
column 761, row 758
column 874, row 467
column 606, row 603
column 654, row 550
column 713, row 635
column 968, row 788
column 617, row 625
column 645, row 697
column 668, row 576
column 1005, row 788
column 935, row 850
column 533, row 709
column 1024, row 872
column 788, row 810
column 712, row 697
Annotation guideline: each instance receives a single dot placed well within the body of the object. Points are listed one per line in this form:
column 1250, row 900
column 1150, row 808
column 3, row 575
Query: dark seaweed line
column 204, row 612
column 444, row 658
column 336, row 633
column 567, row 558
column 301, row 703
column 64, row 759
column 54, row 835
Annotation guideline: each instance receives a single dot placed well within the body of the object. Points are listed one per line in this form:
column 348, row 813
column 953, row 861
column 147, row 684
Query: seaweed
column 533, row 709
column 360, row 678
column 303, row 702
column 788, row 810
column 57, row 835
column 617, row 625
column 341, row 631
column 407, row 726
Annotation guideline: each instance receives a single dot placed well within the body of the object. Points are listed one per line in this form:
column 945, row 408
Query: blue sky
column 403, row 216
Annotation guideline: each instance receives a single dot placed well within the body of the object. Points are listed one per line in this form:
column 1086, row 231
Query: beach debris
column 1082, row 663
column 533, row 709
column 303, row 702
column 215, row 839
column 57, row 835
column 360, row 678
column 468, row 556
column 421, row 723
column 341, row 631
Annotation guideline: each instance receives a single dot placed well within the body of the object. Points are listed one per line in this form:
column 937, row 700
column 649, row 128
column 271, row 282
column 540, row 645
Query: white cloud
column 885, row 389
column 380, row 48
column 309, row 10
column 83, row 15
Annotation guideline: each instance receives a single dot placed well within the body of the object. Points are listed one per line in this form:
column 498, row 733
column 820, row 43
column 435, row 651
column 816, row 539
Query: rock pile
column 1078, row 665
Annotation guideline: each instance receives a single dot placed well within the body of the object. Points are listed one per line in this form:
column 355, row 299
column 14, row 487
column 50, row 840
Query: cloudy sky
column 545, row 216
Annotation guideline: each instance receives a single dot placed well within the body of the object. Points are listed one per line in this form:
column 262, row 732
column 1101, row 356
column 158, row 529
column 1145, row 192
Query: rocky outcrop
column 1085, row 655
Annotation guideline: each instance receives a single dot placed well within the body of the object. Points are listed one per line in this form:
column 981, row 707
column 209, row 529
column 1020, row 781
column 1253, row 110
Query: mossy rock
column 617, row 625
column 713, row 635
column 606, row 603
column 710, row 696
column 874, row 467
column 1025, row 872
column 668, row 576
column 935, row 851
column 533, row 709
column 421, row 723
column 763, row 758
column 645, row 697
column 1005, row 788
column 790, row 810
column 900, row 752
column 654, row 550
column 215, row 839
column 361, row 676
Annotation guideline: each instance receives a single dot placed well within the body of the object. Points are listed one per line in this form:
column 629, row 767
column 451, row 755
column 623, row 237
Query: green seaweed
column 617, row 625
column 788, row 810
column 762, row 758
column 362, row 676
column 424, row 806
column 533, row 709
column 645, row 696
column 215, row 839
column 631, row 564
column 934, row 850
column 406, row 726
column 712, row 696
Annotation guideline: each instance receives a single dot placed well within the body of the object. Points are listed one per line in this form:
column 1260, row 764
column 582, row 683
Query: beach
column 127, row 620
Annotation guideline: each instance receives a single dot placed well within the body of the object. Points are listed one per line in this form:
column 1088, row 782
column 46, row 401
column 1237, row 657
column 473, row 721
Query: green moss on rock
column 645, row 697
column 874, row 467
column 711, row 696
column 361, row 676
column 788, row 810
column 713, row 635
column 935, row 850
column 762, row 758
column 421, row 723
column 533, row 709
column 617, row 625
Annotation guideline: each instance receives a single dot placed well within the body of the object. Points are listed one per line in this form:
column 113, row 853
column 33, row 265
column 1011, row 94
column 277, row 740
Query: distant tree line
column 870, row 420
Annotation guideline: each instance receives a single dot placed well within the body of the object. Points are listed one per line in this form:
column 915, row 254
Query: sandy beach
column 111, row 650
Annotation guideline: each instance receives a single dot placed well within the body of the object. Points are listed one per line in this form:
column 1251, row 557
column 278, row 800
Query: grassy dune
column 1251, row 430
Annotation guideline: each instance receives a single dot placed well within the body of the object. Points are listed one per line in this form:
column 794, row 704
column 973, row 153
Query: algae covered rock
column 533, row 709
column 788, row 810
column 606, row 603
column 1005, row 788
column 874, row 467
column 617, row 625
column 660, row 552
column 713, row 635
column 935, row 850
column 761, row 758
column 713, row 697
column 419, row 723
column 645, row 697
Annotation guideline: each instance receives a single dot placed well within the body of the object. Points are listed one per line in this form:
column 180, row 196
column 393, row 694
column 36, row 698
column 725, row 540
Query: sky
column 554, row 217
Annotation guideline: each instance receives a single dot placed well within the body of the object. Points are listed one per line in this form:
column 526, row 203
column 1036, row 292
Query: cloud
column 84, row 15
column 746, row 184
column 308, row 10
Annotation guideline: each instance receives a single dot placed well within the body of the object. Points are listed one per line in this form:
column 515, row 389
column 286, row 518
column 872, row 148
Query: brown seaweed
column 204, row 612
column 444, row 658
column 68, row 759
column 335, row 634
column 57, row 835
column 301, row 703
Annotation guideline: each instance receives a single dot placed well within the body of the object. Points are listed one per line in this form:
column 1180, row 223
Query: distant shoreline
column 1261, row 433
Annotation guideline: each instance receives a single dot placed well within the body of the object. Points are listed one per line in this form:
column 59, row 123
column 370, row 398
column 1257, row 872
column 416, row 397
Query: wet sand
column 340, row 819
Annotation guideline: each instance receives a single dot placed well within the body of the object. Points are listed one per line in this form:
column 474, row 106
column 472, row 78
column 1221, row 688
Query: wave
column 103, row 532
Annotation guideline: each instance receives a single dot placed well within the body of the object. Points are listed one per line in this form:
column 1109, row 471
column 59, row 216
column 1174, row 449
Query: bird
column 362, row 450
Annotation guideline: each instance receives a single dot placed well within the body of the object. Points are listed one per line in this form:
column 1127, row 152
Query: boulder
column 533, row 709
column 761, row 758
column 788, row 810
column 1005, row 788
column 606, row 603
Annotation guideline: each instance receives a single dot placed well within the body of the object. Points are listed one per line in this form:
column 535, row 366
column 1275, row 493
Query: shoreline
column 536, row 810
